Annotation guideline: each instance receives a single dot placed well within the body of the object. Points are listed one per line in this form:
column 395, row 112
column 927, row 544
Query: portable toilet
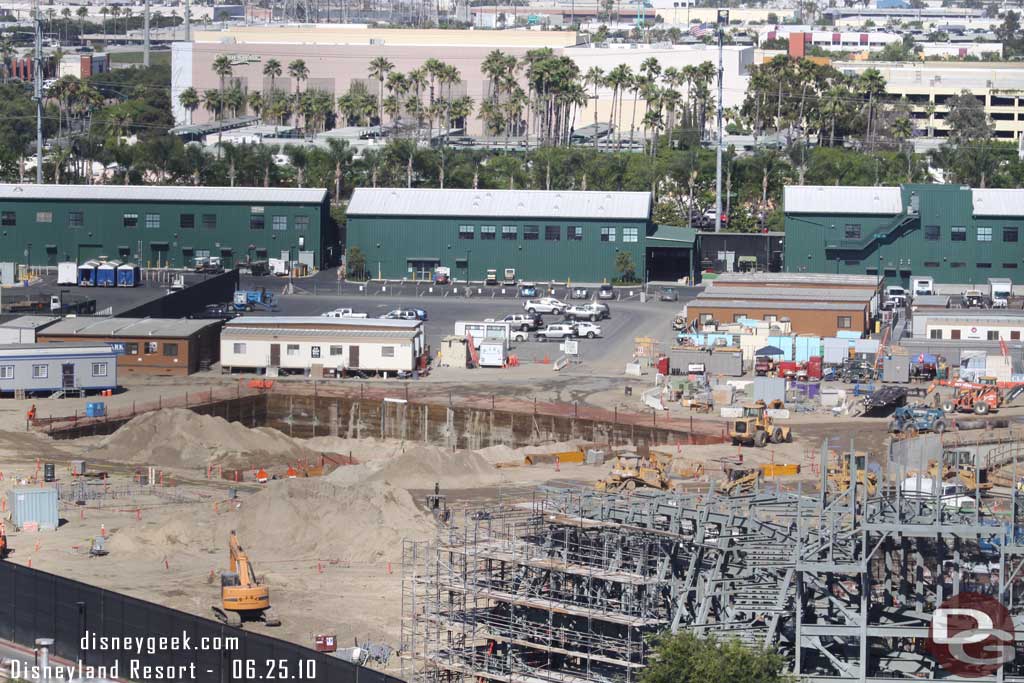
column 106, row 274
column 87, row 274
column 128, row 275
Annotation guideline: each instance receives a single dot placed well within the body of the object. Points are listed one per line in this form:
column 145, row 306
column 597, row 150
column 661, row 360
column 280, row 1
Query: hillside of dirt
column 420, row 466
column 181, row 438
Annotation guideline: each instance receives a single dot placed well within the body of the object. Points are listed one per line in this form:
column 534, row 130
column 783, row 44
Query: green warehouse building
column 543, row 235
column 955, row 234
column 164, row 225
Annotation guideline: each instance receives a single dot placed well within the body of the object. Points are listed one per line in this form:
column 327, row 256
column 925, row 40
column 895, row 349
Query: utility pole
column 723, row 21
column 37, row 89
column 145, row 36
column 188, row 21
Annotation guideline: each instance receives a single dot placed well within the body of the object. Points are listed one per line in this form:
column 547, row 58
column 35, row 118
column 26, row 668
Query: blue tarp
column 848, row 334
column 807, row 347
column 784, row 343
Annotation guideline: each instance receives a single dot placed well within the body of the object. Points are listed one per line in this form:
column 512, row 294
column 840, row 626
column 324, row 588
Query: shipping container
column 34, row 505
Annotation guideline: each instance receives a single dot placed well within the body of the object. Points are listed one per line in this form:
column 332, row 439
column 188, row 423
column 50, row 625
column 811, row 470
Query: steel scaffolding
column 568, row 587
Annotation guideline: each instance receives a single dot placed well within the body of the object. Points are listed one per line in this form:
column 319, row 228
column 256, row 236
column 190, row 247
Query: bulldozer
column 839, row 474
column 242, row 595
column 964, row 473
column 631, row 471
column 755, row 427
column 740, row 480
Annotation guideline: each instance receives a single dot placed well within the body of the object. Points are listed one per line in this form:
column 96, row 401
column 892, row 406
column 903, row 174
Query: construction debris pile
column 567, row 589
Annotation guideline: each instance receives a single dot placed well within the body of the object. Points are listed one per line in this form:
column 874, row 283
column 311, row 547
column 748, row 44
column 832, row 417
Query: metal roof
column 673, row 233
column 809, row 279
column 780, row 306
column 781, row 294
column 929, row 300
column 57, row 347
column 998, row 202
column 276, row 332
column 173, row 328
column 320, row 322
column 976, row 314
column 162, row 193
column 387, row 201
column 839, row 200
column 30, row 322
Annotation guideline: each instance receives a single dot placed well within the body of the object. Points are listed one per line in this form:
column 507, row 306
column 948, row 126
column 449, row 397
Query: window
column 302, row 222
column 932, row 233
column 187, row 221
column 99, row 369
column 8, row 219
column 957, row 264
column 488, row 232
column 40, row 371
column 280, row 223
column 314, row 351
column 1015, row 335
column 337, row 350
column 238, row 347
column 736, row 317
column 209, row 221
column 992, row 335
column 935, row 334
column 851, row 231
column 770, row 318
column 844, row 322
column 984, row 234
column 509, row 232
column 152, row 221
column 706, row 318
column 6, row 372
column 44, row 216
column 1010, row 265
column 256, row 218
column 607, row 234
column 954, row 334
column 131, row 220
column 76, row 219
column 170, row 350
column 466, row 232
column 387, row 351
column 292, row 350
column 1010, row 234
column 151, row 347
column 131, row 348
column 531, row 232
column 931, row 264
column 553, row 233
column 629, row 234
column 983, row 265
column 958, row 233
column 852, row 262
column 574, row 233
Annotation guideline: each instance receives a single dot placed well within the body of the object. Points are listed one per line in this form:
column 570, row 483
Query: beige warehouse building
column 338, row 56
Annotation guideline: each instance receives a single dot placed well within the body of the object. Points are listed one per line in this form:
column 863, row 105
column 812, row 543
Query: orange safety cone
column 261, row 476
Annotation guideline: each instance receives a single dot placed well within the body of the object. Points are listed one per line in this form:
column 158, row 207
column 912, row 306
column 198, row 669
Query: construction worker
column 32, row 413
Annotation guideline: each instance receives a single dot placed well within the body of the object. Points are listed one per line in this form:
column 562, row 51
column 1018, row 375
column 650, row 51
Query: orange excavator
column 242, row 595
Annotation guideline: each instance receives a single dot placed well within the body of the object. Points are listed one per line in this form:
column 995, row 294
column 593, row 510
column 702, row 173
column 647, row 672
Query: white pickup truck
column 343, row 313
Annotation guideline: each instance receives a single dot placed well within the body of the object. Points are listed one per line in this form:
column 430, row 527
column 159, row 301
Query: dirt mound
column 181, row 438
column 294, row 519
column 420, row 466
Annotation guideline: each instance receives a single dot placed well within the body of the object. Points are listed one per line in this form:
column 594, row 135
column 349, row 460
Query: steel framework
column 567, row 587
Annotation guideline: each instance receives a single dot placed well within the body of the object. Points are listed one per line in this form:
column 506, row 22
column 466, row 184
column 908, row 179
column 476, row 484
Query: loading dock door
column 353, row 356
column 275, row 355
column 67, row 375
column 89, row 251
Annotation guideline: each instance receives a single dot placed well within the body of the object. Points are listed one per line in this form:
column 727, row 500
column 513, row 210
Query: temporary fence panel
column 999, row 367
column 806, row 347
column 834, row 350
column 848, row 334
column 865, row 346
column 728, row 363
column 769, row 389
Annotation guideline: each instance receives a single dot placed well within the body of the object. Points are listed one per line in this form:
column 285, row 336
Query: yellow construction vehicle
column 242, row 595
column 839, row 474
column 631, row 471
column 755, row 427
column 963, row 473
column 740, row 480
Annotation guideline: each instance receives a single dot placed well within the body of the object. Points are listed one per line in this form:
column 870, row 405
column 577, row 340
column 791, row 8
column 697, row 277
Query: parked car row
column 592, row 311
column 572, row 330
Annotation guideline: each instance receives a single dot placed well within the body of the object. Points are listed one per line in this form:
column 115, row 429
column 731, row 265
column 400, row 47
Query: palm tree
column 339, row 152
column 379, row 69
column 416, row 80
column 213, row 102
column 66, row 16
column 298, row 70
column 670, row 99
column 619, row 79
column 189, row 99
column 298, row 156
column 51, row 14
column 595, row 78
column 223, row 68
column 234, row 99
column 929, row 111
column 127, row 15
column 833, row 105
column 272, row 70
column 115, row 12
column 256, row 102
column 104, row 11
column 231, row 154
column 81, row 13
column 871, row 84
column 902, row 130
column 449, row 77
column 433, row 68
